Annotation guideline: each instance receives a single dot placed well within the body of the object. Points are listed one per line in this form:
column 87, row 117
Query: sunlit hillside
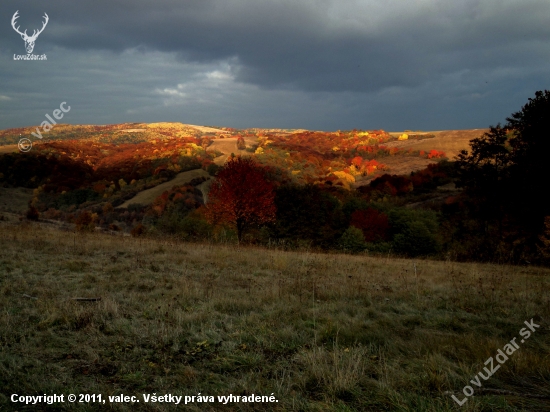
column 138, row 150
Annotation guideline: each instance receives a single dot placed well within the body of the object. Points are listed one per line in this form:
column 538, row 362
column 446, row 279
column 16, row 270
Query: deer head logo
column 29, row 40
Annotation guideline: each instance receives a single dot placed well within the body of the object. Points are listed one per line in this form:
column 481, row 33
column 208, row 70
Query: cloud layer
column 323, row 64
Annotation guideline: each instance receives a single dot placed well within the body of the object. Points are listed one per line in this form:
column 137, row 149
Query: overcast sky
column 315, row 64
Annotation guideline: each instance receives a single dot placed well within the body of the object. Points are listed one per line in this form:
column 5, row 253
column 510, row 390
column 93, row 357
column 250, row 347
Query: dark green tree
column 414, row 231
column 308, row 213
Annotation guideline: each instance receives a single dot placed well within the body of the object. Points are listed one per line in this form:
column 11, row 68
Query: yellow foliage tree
column 345, row 178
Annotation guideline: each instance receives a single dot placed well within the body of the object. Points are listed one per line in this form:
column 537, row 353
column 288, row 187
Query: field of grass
column 449, row 141
column 9, row 149
column 146, row 197
column 225, row 146
column 321, row 332
column 15, row 200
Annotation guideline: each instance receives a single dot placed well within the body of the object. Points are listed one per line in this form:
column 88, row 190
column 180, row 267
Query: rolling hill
column 136, row 162
column 285, row 148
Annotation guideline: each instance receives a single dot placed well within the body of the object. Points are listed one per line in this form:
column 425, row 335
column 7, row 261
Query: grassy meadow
column 321, row 332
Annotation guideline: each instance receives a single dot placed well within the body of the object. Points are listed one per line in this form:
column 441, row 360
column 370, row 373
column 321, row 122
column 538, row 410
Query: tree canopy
column 241, row 196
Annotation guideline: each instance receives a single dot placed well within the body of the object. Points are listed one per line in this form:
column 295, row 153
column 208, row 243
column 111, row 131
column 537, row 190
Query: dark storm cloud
column 312, row 45
column 466, row 55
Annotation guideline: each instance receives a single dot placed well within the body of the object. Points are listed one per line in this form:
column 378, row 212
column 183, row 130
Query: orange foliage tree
column 241, row 196
column 357, row 161
column 435, row 154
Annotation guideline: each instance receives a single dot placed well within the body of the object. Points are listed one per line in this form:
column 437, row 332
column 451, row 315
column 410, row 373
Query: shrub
column 85, row 221
column 352, row 240
column 195, row 226
column 379, row 247
column 32, row 213
column 107, row 208
column 352, row 204
column 241, row 145
column 76, row 197
column 52, row 213
column 414, row 231
column 212, row 169
column 135, row 207
column 138, row 230
column 416, row 239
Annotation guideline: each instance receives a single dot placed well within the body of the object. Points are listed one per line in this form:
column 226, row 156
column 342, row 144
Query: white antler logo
column 29, row 40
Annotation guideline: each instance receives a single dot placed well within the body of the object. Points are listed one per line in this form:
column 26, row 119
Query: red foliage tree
column 371, row 165
column 435, row 154
column 357, row 161
column 374, row 224
column 241, row 196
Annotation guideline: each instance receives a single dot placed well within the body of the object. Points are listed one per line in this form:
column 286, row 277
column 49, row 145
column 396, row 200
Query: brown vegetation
column 319, row 331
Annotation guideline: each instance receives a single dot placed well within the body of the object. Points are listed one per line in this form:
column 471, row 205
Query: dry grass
column 397, row 165
column 321, row 332
column 449, row 141
column 12, row 148
column 15, row 200
column 205, row 129
column 225, row 146
column 146, row 197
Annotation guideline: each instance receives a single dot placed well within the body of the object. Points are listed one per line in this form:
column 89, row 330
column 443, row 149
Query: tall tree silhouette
column 529, row 160
column 504, row 174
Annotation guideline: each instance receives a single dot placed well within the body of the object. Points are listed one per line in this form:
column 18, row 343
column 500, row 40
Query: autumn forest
column 297, row 188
